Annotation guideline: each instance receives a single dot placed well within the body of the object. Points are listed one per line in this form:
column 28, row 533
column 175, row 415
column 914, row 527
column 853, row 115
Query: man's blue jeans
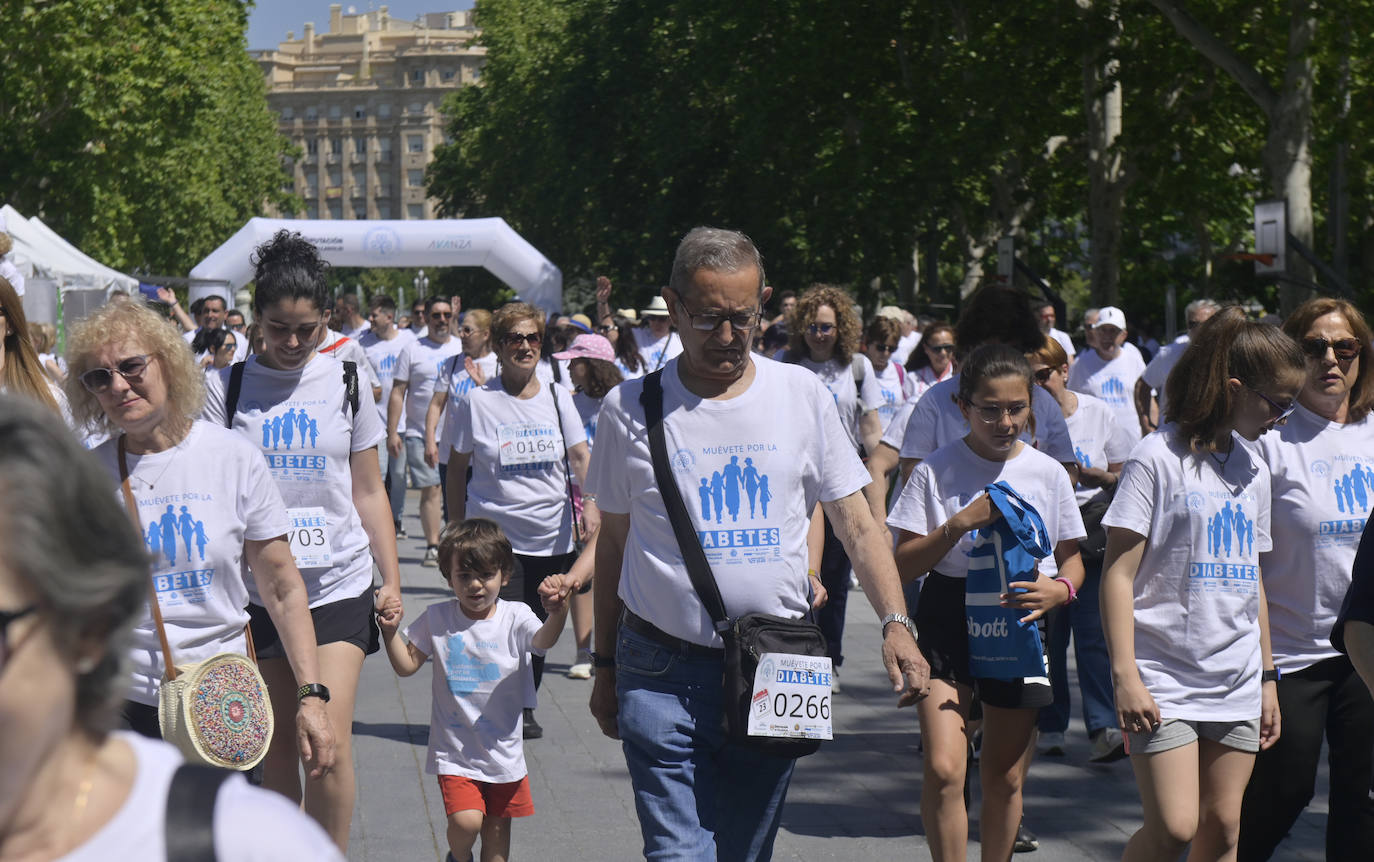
column 1084, row 619
column 699, row 797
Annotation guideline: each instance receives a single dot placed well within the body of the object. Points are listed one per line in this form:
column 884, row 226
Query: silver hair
column 714, row 249
column 68, row 539
column 1199, row 304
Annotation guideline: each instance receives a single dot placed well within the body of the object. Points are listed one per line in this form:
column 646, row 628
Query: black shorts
column 346, row 621
column 944, row 643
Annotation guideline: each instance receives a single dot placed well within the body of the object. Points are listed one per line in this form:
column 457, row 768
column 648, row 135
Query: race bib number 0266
column 791, row 697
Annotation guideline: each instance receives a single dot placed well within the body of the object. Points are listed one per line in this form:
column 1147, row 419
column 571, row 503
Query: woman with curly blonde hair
column 825, row 340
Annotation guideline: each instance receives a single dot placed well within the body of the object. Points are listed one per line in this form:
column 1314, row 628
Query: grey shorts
column 421, row 473
column 1178, row 732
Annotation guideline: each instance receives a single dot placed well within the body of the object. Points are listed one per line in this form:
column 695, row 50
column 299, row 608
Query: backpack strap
column 190, row 826
column 901, row 374
column 350, row 378
column 856, row 367
column 231, row 398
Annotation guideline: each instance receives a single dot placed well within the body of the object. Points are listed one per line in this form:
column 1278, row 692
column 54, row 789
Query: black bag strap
column 231, row 398
column 698, row 567
column 350, row 378
column 567, row 470
column 190, row 827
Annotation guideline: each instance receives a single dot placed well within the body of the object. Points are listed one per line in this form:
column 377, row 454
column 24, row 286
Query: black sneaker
column 1026, row 842
column 532, row 728
column 400, row 531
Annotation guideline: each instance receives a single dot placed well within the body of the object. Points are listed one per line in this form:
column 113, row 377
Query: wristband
column 1073, row 594
column 599, row 660
column 1270, row 675
column 312, row 689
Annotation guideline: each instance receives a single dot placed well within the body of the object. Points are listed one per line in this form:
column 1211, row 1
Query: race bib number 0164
column 791, row 697
column 528, row 443
column 309, row 537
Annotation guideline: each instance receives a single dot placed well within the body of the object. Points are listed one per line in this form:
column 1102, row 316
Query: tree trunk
column 1107, row 184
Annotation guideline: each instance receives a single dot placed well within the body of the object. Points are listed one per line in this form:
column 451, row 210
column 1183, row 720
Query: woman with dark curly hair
column 619, row 331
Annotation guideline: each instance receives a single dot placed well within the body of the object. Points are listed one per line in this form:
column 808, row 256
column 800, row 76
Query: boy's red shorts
column 494, row 800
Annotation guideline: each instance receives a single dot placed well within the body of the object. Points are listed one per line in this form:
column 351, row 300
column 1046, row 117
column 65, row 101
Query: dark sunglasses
column 885, row 348
column 515, row 339
column 1345, row 349
column 821, row 328
column 101, row 379
column 442, row 315
column 940, row 348
column 1044, row 374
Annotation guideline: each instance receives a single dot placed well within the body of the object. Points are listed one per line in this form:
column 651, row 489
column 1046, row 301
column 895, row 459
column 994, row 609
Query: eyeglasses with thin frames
column 1284, row 410
column 100, row 379
column 7, row 617
column 989, row 413
column 710, row 321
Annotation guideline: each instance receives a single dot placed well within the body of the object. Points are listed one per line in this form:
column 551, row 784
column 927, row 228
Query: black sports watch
column 1270, row 675
column 313, row 689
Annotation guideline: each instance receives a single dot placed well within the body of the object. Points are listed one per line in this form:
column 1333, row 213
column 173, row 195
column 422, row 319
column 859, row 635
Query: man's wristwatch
column 313, row 689
column 897, row 618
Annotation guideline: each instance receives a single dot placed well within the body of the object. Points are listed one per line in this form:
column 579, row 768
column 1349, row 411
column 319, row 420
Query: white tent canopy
column 487, row 242
column 49, row 263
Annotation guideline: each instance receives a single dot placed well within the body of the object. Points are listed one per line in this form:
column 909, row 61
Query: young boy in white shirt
column 478, row 643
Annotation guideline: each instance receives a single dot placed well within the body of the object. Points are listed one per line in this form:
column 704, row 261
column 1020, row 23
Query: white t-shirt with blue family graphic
column 954, row 475
column 936, row 421
column 656, row 351
column 483, row 681
column 1098, row 439
column 896, row 387
column 517, row 448
column 1113, row 382
column 1322, row 478
column 198, row 502
column 852, row 400
column 420, row 365
column 750, row 470
column 302, row 423
column 455, row 380
column 1197, row 642
column 382, row 354
column 587, row 408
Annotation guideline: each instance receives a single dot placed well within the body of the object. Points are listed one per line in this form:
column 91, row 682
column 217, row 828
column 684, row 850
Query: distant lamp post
column 422, row 284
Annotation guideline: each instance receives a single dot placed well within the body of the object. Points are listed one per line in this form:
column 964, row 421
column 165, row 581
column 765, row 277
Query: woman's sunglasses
column 1345, row 349
column 101, row 379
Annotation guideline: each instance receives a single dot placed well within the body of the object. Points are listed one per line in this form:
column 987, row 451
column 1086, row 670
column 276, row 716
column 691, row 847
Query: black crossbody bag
column 746, row 637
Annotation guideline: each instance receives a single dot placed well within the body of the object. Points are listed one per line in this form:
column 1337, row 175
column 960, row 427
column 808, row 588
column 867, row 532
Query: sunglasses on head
column 516, row 339
column 1345, row 349
column 101, row 379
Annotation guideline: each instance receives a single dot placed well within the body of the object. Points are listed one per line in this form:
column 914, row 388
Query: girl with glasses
column 1321, row 464
column 1183, row 596
column 940, row 509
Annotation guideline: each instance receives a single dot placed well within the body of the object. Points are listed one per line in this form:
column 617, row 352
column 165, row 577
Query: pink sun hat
column 588, row 347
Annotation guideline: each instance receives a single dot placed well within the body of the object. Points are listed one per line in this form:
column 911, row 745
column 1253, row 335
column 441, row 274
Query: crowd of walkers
column 1188, row 517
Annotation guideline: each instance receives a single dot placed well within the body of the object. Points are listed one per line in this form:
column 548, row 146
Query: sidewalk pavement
column 857, row 799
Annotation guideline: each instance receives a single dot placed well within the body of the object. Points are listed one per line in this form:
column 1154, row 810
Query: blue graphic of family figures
column 1225, row 525
column 280, row 432
column 1082, row 457
column 163, row 533
column 1353, row 489
column 723, row 490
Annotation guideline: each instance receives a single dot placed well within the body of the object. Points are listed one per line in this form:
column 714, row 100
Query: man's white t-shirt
column 1156, row 374
column 954, row 475
column 1197, row 642
column 750, row 470
column 250, row 823
column 382, row 354
column 482, row 683
column 346, row 349
column 897, row 387
column 1322, row 481
column 355, row 332
column 905, row 345
column 517, row 448
column 1113, row 381
column 851, row 399
column 420, row 365
column 195, row 521
column 656, row 351
column 455, row 380
column 936, row 420
column 1098, row 439
column 304, row 426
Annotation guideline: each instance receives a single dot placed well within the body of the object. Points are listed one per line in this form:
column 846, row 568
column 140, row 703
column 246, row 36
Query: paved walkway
column 858, row 799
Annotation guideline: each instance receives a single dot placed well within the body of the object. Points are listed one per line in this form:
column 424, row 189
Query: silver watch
column 897, row 618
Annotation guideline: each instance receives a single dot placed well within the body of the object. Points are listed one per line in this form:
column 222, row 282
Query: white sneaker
column 582, row 668
column 834, row 680
column 1108, row 746
column 431, row 559
column 1052, row 744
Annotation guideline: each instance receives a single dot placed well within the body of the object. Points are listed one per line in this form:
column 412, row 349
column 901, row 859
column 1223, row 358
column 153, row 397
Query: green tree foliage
column 140, row 131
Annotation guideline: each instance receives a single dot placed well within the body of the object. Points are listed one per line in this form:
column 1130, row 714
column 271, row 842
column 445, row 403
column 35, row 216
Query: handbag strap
column 152, row 591
column 189, row 832
column 567, row 471
column 698, row 567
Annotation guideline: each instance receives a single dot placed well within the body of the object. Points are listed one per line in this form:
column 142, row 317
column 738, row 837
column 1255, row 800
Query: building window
column 446, row 74
column 415, row 178
column 415, row 143
column 336, row 210
column 383, row 210
column 335, row 179
column 312, row 146
column 335, row 112
column 417, row 108
column 360, row 211
column 359, row 112
column 415, row 211
column 312, row 113
column 360, row 145
column 360, row 178
column 417, row 76
column 287, row 113
column 385, row 145
column 384, row 110
column 312, row 180
column 336, row 146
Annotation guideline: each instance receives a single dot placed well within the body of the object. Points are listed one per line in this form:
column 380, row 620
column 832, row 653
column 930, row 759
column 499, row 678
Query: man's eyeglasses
column 100, row 379
column 1345, row 349
column 821, row 328
column 990, row 414
column 710, row 321
column 7, row 617
column 940, row 348
column 441, row 315
column 1284, row 410
column 516, row 339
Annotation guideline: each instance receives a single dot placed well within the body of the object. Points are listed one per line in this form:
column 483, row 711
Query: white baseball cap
column 1110, row 316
